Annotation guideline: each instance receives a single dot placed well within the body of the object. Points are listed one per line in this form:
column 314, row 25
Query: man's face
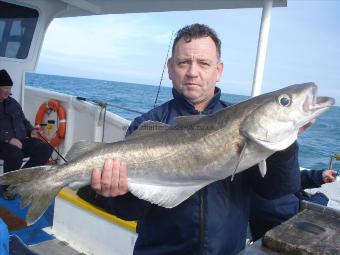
column 195, row 68
column 5, row 91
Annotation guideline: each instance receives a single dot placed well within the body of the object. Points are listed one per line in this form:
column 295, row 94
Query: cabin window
column 17, row 25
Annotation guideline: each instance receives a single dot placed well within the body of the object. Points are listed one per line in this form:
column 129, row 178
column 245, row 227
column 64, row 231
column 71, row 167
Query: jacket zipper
column 202, row 216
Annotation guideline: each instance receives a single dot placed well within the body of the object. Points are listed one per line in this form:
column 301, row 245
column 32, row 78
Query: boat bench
column 2, row 164
column 90, row 229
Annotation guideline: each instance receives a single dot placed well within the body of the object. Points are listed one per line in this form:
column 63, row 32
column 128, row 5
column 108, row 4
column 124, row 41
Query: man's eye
column 204, row 64
column 184, row 62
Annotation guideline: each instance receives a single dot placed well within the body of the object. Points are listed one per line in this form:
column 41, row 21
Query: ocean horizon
column 317, row 144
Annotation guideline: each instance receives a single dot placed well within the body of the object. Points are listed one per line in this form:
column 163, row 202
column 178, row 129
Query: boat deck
column 14, row 217
column 61, row 230
column 36, row 239
column 54, row 247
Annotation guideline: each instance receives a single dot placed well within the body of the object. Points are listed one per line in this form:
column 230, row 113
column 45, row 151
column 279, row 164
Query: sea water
column 317, row 144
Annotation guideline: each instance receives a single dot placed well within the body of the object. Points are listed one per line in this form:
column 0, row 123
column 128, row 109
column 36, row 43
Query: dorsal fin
column 81, row 147
column 147, row 128
column 184, row 121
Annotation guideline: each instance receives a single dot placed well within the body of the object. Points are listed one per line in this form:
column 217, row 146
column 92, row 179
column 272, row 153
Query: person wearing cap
column 18, row 138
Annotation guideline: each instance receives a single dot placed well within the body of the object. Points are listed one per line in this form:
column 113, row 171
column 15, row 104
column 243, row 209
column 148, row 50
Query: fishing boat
column 71, row 225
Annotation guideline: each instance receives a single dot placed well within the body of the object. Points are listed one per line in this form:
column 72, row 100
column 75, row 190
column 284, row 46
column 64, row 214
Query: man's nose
column 193, row 70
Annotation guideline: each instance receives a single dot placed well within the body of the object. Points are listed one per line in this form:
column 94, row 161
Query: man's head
column 196, row 31
column 5, row 85
column 195, row 65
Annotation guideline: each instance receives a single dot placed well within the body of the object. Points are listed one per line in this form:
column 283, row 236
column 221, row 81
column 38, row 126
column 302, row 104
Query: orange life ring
column 52, row 105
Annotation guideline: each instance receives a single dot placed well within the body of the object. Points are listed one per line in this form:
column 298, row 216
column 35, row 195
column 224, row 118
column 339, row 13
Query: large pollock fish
column 166, row 165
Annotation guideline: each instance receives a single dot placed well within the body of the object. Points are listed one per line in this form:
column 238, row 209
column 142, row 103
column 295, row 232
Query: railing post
column 262, row 47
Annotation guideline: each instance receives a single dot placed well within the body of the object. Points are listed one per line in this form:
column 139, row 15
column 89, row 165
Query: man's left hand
column 329, row 176
column 309, row 124
column 36, row 133
column 111, row 180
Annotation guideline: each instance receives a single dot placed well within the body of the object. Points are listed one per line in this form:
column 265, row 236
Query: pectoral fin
column 239, row 160
column 263, row 167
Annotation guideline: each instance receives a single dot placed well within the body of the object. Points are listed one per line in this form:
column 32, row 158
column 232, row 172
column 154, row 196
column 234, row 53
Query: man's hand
column 329, row 176
column 309, row 124
column 110, row 181
column 15, row 142
column 36, row 133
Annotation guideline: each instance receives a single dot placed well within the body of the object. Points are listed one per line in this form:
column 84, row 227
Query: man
column 266, row 214
column 18, row 138
column 213, row 220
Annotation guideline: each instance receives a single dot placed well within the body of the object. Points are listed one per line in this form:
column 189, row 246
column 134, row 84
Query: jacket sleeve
column 27, row 124
column 126, row 207
column 282, row 177
column 311, row 179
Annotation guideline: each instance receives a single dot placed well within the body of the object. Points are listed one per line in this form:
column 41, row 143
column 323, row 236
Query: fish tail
column 22, row 175
column 24, row 183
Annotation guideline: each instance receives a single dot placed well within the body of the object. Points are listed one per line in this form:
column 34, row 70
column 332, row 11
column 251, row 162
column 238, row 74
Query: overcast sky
column 304, row 45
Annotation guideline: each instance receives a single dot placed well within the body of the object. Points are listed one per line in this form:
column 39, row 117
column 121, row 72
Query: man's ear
column 220, row 67
column 170, row 65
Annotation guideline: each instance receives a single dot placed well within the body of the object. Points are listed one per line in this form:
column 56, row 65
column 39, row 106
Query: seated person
column 266, row 214
column 18, row 138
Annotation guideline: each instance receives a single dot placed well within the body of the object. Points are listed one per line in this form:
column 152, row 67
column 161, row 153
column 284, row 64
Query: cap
column 5, row 79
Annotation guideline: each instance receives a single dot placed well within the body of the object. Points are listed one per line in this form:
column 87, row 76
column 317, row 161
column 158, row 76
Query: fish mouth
column 322, row 102
column 314, row 104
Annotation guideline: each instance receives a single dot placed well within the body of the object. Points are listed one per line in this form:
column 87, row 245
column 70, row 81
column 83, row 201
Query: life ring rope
column 52, row 105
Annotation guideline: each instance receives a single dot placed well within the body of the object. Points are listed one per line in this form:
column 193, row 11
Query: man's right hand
column 111, row 180
column 329, row 175
column 15, row 142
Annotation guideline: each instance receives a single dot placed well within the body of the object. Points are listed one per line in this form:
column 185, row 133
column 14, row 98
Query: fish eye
column 284, row 100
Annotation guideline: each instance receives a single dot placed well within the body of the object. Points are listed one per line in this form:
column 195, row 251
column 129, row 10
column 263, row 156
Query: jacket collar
column 188, row 106
column 5, row 101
